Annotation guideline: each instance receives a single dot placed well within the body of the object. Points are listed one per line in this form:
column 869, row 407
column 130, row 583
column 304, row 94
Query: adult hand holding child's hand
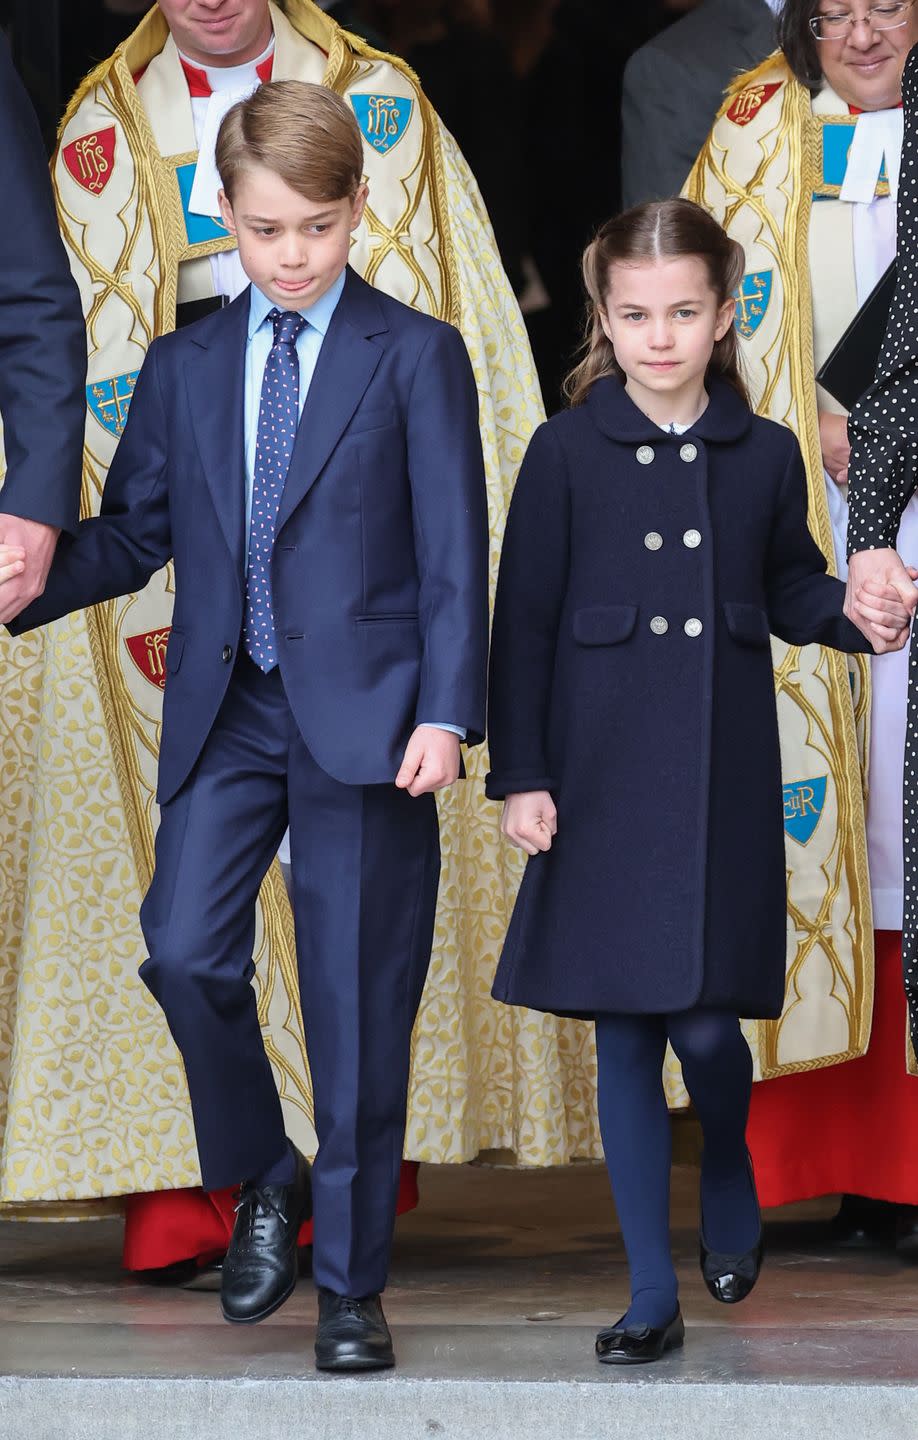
column 873, row 577
column 530, row 820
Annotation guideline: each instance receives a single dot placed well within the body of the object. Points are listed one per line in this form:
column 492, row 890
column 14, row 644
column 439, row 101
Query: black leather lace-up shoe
column 260, row 1269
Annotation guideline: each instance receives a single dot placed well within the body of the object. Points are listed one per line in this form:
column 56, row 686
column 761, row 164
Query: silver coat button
column 692, row 539
column 693, row 627
column 653, row 540
column 688, row 453
column 659, row 625
column 644, row 455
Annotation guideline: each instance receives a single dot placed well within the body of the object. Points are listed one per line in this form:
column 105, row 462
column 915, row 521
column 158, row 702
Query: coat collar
column 725, row 420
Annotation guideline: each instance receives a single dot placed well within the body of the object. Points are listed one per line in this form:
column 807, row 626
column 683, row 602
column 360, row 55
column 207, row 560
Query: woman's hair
column 799, row 44
column 659, row 230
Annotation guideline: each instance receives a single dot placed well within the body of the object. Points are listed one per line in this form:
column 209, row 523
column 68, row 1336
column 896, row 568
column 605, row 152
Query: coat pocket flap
column 747, row 623
column 372, row 420
column 604, row 624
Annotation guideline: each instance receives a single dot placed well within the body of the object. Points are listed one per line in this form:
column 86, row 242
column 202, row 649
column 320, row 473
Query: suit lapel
column 215, row 377
column 347, row 362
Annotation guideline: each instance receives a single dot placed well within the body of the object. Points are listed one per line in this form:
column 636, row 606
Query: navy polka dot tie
column 278, row 415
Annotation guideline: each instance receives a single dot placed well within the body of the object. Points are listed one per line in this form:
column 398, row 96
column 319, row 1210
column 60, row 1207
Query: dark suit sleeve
column 450, row 517
column 42, row 335
column 117, row 551
column 804, row 601
column 531, row 589
column 660, row 138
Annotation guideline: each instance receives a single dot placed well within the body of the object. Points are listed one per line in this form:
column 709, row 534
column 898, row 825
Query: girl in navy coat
column 657, row 536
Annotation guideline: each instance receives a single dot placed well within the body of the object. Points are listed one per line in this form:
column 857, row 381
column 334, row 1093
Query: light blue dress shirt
column 318, row 317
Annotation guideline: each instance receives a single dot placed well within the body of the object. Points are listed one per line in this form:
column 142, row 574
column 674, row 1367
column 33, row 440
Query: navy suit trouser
column 365, row 866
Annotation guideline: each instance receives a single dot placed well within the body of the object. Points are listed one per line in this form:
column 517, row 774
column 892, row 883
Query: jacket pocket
column 406, row 617
column 604, row 624
column 748, row 624
column 174, row 648
column 371, row 420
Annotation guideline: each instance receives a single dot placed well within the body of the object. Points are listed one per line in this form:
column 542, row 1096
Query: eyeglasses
column 836, row 24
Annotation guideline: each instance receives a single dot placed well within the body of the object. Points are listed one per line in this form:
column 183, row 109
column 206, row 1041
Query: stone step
column 61, row 1381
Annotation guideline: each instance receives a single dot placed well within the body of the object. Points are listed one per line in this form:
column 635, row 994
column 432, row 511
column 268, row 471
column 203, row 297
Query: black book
column 851, row 368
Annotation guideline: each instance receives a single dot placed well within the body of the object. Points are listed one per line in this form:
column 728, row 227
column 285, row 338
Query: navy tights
column 635, row 1128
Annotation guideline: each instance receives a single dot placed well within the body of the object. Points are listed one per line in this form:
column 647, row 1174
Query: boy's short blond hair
column 304, row 133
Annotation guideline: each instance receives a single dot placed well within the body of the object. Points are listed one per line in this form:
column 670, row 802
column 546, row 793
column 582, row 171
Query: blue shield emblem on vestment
column 383, row 119
column 752, row 299
column 198, row 228
column 836, row 142
column 109, row 400
column 803, row 806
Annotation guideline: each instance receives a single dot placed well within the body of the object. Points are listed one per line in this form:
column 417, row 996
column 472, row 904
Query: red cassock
column 849, row 1129
column 168, row 1226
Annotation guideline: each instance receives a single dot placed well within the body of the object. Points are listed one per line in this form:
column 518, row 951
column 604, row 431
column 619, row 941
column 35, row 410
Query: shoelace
column 261, row 1206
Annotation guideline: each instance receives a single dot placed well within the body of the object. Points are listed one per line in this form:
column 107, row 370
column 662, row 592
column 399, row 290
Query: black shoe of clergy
column 352, row 1334
column 260, row 1269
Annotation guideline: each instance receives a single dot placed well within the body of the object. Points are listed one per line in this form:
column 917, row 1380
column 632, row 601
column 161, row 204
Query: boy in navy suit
column 310, row 459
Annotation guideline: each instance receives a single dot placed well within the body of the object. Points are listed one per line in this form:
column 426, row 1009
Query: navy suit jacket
column 42, row 336
column 381, row 548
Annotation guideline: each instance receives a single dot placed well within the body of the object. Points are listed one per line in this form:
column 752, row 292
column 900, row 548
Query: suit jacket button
column 693, row 628
column 227, row 654
column 659, row 624
column 653, row 540
column 692, row 539
column 644, row 455
column 688, row 453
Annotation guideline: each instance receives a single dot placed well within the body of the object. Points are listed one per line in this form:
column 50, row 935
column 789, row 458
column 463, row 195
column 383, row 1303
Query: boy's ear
column 226, row 211
column 359, row 205
column 725, row 318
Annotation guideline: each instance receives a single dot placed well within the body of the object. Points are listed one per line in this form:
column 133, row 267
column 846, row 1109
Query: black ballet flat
column 730, row 1278
column 639, row 1344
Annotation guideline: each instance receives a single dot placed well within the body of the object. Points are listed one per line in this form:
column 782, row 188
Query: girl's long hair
column 658, row 230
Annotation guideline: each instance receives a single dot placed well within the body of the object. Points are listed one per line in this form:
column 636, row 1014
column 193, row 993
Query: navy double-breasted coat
column 631, row 676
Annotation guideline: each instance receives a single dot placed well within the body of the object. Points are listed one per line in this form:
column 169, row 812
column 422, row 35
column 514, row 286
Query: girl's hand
column 12, row 562
column 835, row 446
column 530, row 820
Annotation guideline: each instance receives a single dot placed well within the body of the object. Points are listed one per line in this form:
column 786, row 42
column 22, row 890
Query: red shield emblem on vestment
column 749, row 102
column 148, row 652
column 91, row 159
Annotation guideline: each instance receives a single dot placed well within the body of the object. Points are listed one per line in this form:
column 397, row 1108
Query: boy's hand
column 38, row 541
column 431, row 761
column 12, row 562
column 530, row 820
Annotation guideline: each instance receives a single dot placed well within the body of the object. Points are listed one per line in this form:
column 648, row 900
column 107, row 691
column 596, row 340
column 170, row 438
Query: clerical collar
column 203, row 83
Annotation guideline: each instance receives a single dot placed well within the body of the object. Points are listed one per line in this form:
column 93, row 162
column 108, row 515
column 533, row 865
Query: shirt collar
column 203, row 82
column 319, row 315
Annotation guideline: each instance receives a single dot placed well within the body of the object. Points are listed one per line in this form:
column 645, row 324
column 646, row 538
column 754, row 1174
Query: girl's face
column 663, row 319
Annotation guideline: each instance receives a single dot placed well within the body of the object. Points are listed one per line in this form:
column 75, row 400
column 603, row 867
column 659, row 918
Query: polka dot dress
column 278, row 416
column 883, row 476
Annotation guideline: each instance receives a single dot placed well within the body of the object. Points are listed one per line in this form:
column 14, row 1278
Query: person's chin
column 867, row 80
